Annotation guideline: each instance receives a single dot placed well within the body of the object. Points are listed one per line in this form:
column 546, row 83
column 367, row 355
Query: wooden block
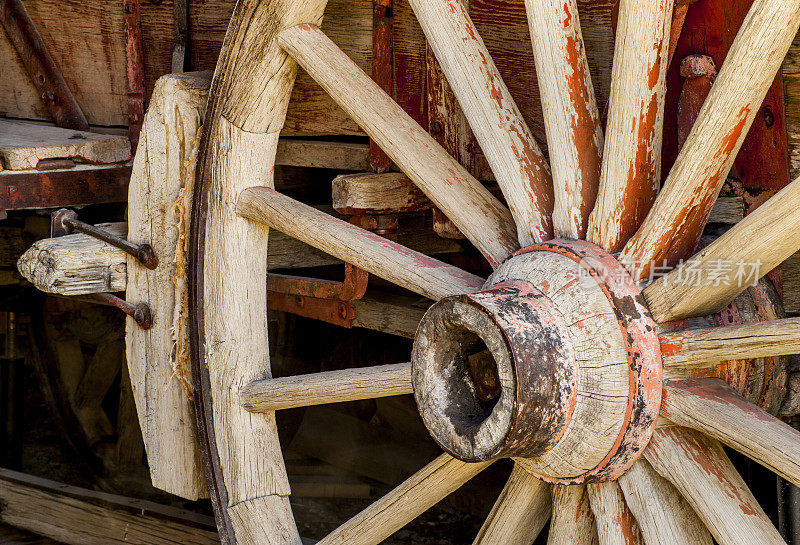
column 76, row 264
column 368, row 193
column 158, row 358
column 24, row 143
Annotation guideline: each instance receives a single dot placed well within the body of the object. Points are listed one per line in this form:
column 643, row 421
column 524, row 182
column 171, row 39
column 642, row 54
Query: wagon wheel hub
column 556, row 360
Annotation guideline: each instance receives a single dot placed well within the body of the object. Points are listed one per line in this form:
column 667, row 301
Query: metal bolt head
column 147, row 256
column 143, row 315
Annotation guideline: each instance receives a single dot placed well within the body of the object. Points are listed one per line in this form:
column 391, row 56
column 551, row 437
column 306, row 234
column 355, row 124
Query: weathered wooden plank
column 84, row 517
column 76, row 264
column 24, row 143
column 87, row 43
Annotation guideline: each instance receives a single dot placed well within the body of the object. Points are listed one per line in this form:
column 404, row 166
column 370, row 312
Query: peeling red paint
column 585, row 126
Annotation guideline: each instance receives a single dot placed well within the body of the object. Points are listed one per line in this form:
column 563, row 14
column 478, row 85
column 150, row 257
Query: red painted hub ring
column 644, row 354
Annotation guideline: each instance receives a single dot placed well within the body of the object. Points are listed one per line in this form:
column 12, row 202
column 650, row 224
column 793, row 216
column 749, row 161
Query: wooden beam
column 413, row 497
column 479, row 215
column 711, row 406
column 706, row 478
column 272, row 394
column 571, row 117
column 297, row 152
column 709, row 281
column 520, row 512
column 23, row 144
column 76, row 264
column 78, row 516
column 662, row 514
column 679, row 214
column 160, row 190
column 373, row 253
column 513, row 154
column 705, row 348
column 631, row 171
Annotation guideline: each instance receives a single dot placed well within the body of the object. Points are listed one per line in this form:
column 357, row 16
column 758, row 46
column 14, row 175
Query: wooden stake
column 478, row 214
column 267, row 395
column 520, row 512
column 711, row 279
column 705, row 348
column 374, row 253
column 673, row 226
column 631, row 170
column 615, row 523
column 662, row 514
column 573, row 521
column 705, row 476
column 571, row 118
column 711, row 406
column 416, row 495
column 513, row 154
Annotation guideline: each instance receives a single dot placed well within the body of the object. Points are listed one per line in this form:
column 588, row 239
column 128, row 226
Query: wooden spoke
column 704, row 475
column 707, row 347
column 520, row 512
column 711, row 406
column 663, row 515
column 513, row 154
column 631, row 170
column 615, row 523
column 272, row 394
column 572, row 121
column 673, row 226
column 478, row 214
column 710, row 280
column 573, row 521
column 416, row 495
column 374, row 253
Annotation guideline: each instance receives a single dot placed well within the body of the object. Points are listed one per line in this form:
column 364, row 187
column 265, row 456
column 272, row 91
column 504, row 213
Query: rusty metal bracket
column 325, row 300
column 66, row 221
column 46, row 77
column 134, row 48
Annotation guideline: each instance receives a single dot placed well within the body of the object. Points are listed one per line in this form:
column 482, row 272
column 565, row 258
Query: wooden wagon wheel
column 595, row 401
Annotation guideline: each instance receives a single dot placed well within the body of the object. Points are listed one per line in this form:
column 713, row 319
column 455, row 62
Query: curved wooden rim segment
column 643, row 347
column 249, row 96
